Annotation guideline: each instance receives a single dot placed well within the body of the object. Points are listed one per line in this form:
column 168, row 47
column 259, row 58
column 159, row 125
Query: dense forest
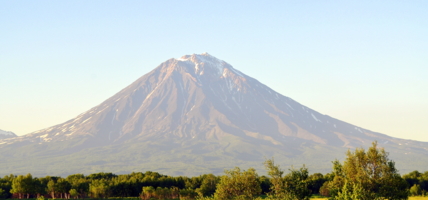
column 363, row 175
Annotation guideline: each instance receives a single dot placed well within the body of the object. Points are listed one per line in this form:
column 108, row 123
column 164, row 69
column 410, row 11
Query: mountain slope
column 6, row 134
column 197, row 114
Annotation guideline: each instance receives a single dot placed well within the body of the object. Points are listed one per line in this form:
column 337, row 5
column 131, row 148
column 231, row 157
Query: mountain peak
column 2, row 132
column 6, row 134
column 194, row 56
column 205, row 62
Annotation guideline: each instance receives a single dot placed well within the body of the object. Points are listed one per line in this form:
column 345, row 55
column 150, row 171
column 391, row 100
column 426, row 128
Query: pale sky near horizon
column 363, row 62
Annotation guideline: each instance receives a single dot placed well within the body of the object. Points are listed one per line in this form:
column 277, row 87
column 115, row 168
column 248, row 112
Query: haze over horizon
column 361, row 62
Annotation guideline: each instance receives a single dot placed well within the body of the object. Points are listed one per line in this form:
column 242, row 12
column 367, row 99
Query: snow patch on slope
column 315, row 118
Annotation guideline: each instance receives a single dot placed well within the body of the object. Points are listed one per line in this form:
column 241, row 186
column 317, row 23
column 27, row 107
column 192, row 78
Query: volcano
column 193, row 115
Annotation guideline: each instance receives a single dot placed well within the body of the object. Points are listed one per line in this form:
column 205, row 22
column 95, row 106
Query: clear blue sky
column 364, row 62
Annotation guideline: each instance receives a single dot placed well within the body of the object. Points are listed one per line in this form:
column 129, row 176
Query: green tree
column 38, row 187
column 82, row 186
column 2, row 194
column 162, row 193
column 293, row 185
column 101, row 175
column 415, row 190
column 22, row 185
column 193, row 182
column 18, row 186
column 73, row 193
column 98, row 188
column 174, row 192
column 28, row 185
column 413, row 177
column 416, row 177
column 63, row 186
column 370, row 174
column 276, row 179
column 148, row 192
column 423, row 181
column 296, row 184
column 41, row 198
column 51, row 188
column 352, row 192
column 188, row 193
column 316, row 181
column 6, row 186
column 237, row 184
column 208, row 185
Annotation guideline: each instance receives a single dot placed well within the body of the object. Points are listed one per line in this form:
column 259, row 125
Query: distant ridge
column 193, row 115
column 6, row 134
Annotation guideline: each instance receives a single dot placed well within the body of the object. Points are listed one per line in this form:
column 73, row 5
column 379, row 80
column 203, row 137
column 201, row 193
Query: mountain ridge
column 7, row 134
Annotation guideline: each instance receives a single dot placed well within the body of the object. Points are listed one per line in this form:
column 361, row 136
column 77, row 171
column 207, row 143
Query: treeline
column 99, row 185
column 363, row 175
column 418, row 183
